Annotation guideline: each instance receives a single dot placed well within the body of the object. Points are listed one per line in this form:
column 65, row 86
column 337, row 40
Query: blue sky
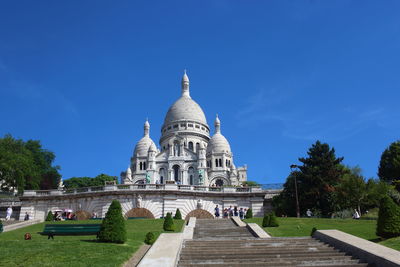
column 82, row 76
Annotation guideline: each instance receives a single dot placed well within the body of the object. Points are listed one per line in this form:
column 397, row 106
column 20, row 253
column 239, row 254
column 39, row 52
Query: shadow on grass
column 376, row 240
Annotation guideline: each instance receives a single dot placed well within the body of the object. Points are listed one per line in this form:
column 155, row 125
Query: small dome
column 218, row 144
column 129, row 171
column 153, row 148
column 185, row 108
column 142, row 147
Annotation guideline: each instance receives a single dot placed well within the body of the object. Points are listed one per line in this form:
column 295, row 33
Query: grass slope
column 74, row 250
column 303, row 226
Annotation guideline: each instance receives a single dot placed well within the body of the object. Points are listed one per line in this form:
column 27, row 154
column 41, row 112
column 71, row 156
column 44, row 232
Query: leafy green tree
column 26, row 165
column 389, row 166
column 79, row 182
column 351, row 192
column 249, row 214
column 388, row 224
column 50, row 216
column 320, row 173
column 285, row 202
column 178, row 215
column 169, row 223
column 113, row 226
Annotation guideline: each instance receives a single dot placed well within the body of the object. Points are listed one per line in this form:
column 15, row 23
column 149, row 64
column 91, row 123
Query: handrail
column 125, row 187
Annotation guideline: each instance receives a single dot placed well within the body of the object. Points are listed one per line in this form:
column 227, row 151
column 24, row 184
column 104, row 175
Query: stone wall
column 154, row 202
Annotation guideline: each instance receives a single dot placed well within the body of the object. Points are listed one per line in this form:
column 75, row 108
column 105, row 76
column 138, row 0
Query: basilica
column 187, row 154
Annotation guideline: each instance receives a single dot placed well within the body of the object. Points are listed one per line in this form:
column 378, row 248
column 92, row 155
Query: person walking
column 9, row 213
column 216, row 211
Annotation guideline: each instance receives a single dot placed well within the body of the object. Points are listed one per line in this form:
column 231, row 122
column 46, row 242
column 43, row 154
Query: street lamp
column 293, row 167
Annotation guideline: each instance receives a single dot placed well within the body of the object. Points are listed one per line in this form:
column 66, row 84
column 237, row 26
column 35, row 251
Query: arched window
column 216, row 162
column 176, row 172
column 191, row 145
column 191, row 175
column 144, row 165
column 140, row 166
column 162, row 175
column 197, row 147
column 220, row 163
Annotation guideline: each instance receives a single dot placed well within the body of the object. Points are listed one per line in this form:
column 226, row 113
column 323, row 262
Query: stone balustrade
column 157, row 187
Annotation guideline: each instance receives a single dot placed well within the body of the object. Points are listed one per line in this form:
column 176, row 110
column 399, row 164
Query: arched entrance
column 83, row 215
column 139, row 212
column 199, row 214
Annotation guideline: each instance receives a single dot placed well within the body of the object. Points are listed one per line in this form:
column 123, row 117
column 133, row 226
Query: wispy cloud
column 297, row 122
column 42, row 96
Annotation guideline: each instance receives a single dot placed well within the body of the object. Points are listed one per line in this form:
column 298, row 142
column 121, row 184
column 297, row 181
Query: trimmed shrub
column 150, row 238
column 178, row 215
column 388, row 218
column 266, row 220
column 1, row 226
column 169, row 223
column 273, row 221
column 50, row 216
column 113, row 226
column 249, row 214
column 313, row 231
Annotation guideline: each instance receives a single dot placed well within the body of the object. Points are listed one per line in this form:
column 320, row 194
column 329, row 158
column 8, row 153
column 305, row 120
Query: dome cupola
column 142, row 147
column 218, row 142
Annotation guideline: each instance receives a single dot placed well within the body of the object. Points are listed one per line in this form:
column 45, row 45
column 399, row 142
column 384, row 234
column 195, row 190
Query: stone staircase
column 221, row 243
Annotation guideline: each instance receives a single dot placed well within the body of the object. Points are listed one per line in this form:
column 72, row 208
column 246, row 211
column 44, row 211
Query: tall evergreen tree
column 389, row 166
column 113, row 226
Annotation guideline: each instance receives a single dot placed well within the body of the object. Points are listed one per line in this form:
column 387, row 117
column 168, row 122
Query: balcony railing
column 275, row 188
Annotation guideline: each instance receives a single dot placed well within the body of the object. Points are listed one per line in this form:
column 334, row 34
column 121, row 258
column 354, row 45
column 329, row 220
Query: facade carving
column 187, row 154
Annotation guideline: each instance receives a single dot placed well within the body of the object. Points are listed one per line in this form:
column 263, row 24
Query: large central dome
column 185, row 108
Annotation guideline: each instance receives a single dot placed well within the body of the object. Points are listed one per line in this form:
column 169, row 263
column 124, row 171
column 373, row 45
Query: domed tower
column 184, row 131
column 220, row 159
column 143, row 156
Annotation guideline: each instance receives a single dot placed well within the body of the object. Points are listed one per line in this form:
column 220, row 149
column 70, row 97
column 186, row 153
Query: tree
column 273, row 221
column 50, row 216
column 79, row 182
column 320, row 173
column 250, row 183
column 389, row 166
column 113, row 226
column 351, row 192
column 266, row 219
column 388, row 224
column 169, row 223
column 249, row 214
column 26, row 165
column 178, row 215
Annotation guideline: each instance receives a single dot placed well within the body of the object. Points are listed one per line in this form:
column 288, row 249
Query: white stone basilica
column 187, row 154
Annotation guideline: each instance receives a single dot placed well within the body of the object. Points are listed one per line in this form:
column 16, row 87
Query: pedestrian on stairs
column 216, row 211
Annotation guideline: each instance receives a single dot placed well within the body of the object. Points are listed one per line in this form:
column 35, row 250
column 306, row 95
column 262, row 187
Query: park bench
column 70, row 229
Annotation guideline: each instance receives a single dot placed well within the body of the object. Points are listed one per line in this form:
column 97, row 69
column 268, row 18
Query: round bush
column 273, row 221
column 178, row 215
column 249, row 214
column 169, row 223
column 150, row 238
column 113, row 226
column 49, row 217
column 388, row 218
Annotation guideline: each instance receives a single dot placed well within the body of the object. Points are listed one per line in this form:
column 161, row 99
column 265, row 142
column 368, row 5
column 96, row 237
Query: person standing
column 216, row 211
column 309, row 213
column 356, row 215
column 241, row 213
column 9, row 213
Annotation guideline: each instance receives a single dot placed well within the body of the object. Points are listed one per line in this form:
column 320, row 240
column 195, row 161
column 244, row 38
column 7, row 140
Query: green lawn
column 303, row 226
column 74, row 250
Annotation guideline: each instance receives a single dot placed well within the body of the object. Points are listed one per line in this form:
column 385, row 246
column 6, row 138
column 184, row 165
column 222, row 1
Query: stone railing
column 158, row 187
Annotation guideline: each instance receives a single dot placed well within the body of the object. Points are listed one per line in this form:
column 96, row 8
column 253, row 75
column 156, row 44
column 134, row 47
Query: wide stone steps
column 221, row 243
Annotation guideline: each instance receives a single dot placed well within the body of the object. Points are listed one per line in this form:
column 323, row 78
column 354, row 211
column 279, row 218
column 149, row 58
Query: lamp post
column 293, row 167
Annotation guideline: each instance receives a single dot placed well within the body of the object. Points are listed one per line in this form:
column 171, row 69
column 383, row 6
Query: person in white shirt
column 9, row 213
